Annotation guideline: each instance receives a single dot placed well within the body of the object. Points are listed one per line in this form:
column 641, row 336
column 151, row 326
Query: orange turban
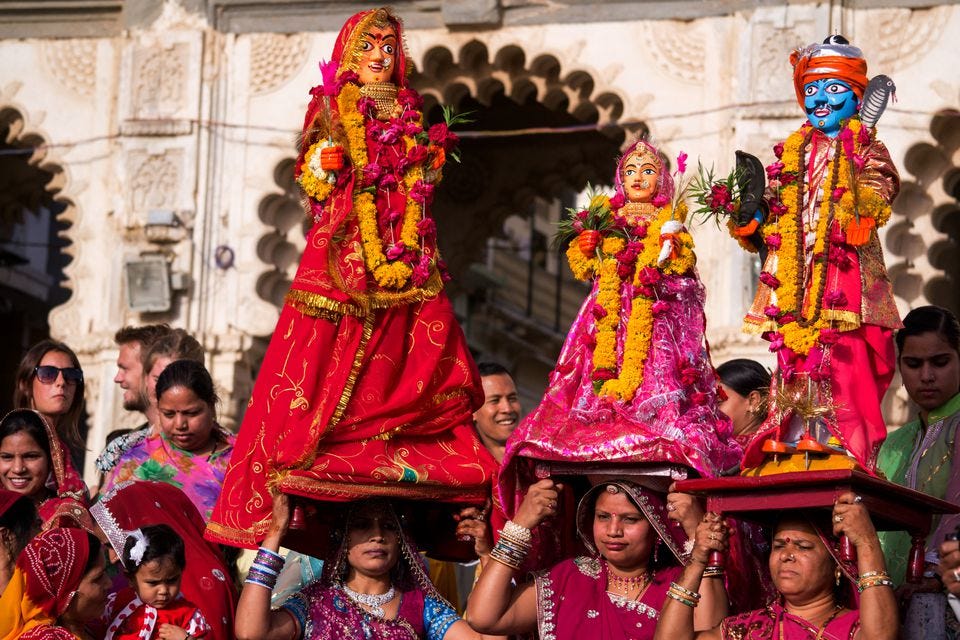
column 817, row 62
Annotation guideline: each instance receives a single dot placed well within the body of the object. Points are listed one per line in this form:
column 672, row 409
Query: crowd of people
column 155, row 573
column 369, row 418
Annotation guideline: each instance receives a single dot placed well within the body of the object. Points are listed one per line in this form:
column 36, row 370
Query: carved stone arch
column 502, row 173
column 279, row 249
column 924, row 236
column 35, row 245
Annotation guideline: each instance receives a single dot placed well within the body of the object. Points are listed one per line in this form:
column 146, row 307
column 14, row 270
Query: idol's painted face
column 639, row 177
column 828, row 103
column 378, row 55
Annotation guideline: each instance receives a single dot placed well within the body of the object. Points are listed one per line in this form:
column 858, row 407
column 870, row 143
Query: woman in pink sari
column 817, row 599
column 613, row 592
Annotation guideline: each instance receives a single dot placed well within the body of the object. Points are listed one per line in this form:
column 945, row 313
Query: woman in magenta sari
column 374, row 585
column 821, row 596
column 613, row 592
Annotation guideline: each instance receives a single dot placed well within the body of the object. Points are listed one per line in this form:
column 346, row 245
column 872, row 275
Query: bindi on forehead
column 381, row 35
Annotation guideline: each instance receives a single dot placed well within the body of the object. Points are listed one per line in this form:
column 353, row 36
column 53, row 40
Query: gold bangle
column 681, row 600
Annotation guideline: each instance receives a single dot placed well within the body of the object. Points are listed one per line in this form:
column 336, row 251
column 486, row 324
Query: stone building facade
column 147, row 151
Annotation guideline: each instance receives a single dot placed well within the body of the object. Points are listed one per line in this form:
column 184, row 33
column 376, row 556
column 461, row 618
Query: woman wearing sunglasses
column 50, row 390
column 50, row 382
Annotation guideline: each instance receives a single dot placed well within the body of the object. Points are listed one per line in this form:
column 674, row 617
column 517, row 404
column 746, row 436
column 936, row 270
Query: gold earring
column 837, row 574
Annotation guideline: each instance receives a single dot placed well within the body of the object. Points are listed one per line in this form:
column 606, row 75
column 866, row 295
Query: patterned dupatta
column 44, row 582
column 324, row 610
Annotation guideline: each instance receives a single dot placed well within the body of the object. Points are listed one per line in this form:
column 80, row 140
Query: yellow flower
column 803, row 333
column 600, row 201
column 582, row 266
column 612, row 245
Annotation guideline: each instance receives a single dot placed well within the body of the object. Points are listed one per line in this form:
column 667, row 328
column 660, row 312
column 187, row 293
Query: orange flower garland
column 802, row 332
column 624, row 383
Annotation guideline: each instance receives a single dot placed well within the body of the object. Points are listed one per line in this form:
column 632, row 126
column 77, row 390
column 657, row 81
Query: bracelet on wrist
column 681, row 599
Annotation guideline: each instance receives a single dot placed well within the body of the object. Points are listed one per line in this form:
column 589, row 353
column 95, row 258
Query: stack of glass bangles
column 265, row 569
column 683, row 595
column 873, row 579
column 512, row 546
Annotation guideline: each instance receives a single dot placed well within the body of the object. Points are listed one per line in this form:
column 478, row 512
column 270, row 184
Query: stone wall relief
column 899, row 37
column 275, row 58
column 72, row 63
column 773, row 34
column 160, row 84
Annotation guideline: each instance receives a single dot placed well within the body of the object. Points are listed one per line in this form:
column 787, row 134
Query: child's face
column 157, row 582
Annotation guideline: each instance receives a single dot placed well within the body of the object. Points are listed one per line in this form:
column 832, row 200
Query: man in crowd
column 500, row 413
column 133, row 344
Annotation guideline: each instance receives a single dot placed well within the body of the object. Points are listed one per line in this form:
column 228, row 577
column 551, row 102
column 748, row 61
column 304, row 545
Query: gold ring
column 838, row 518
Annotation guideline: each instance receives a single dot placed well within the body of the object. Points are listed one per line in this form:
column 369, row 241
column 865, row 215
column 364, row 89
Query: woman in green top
column 920, row 454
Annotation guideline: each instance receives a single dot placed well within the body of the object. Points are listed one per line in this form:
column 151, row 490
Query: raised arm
column 255, row 620
column 878, row 606
column 681, row 613
column 495, row 606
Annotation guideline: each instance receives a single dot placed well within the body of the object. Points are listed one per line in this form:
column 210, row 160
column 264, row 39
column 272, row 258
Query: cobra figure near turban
column 824, row 300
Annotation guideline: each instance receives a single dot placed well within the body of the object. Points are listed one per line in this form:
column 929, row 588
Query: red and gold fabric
column 368, row 386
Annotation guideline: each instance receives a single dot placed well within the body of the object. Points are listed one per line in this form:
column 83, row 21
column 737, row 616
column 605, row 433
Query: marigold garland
column 608, row 305
column 316, row 186
column 395, row 271
column 800, row 317
column 622, row 384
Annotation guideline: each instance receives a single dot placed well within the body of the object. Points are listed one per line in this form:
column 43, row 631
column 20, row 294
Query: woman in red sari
column 367, row 383
column 134, row 504
column 614, row 592
column 817, row 599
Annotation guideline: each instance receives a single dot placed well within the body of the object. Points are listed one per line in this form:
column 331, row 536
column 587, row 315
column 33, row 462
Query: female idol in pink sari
column 634, row 382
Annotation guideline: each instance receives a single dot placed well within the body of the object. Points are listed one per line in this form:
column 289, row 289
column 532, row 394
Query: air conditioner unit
column 148, row 284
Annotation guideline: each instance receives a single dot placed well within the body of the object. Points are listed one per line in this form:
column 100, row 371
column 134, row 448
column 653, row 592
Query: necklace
column 836, row 610
column 373, row 601
column 627, row 582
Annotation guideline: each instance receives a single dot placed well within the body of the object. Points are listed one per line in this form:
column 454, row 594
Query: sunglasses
column 47, row 374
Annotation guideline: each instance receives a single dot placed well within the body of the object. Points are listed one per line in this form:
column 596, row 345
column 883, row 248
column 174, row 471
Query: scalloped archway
column 924, row 237
column 34, row 249
column 570, row 137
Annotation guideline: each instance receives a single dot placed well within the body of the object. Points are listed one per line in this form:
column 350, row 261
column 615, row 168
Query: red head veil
column 206, row 583
column 45, row 580
column 346, row 58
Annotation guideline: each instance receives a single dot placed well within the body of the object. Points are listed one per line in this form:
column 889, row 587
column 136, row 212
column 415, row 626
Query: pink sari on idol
column 672, row 417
